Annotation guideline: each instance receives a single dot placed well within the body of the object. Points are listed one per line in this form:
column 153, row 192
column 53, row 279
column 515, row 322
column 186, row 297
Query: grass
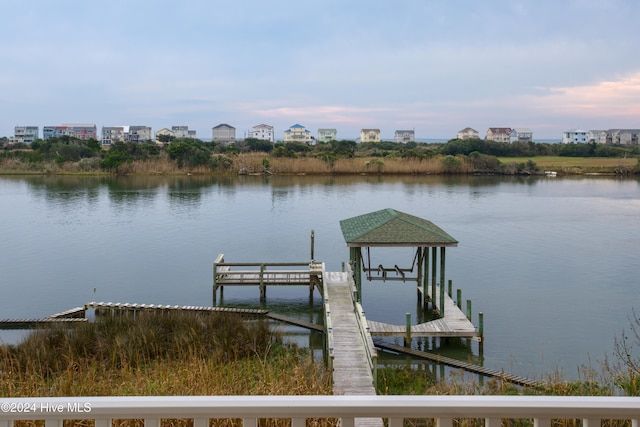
column 576, row 164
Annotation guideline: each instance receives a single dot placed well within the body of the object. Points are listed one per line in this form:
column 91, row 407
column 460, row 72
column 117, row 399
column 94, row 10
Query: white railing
column 542, row 409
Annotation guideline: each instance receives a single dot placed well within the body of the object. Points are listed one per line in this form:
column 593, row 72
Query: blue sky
column 435, row 66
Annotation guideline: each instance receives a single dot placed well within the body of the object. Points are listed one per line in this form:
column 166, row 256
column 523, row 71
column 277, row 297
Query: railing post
column 152, row 422
column 459, row 298
column 469, row 309
column 542, row 422
column 249, row 422
column 444, row 422
column 263, row 290
column 407, row 336
column 441, row 299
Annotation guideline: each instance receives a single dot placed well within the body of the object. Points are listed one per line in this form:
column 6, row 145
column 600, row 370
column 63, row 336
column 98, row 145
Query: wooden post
column 469, row 309
column 263, row 288
column 407, row 337
column 441, row 299
column 442, row 266
column 425, row 278
column 481, row 331
column 215, row 288
column 459, row 298
column 449, row 291
column 434, row 260
column 312, row 244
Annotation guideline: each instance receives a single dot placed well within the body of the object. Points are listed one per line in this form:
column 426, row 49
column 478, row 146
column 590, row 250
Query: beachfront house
column 370, row 135
column 576, row 136
column 521, row 135
column 298, row 133
column 498, row 134
column 24, row 134
column 223, row 133
column 326, row 135
column 404, row 136
column 262, row 132
column 111, row 134
column 468, row 133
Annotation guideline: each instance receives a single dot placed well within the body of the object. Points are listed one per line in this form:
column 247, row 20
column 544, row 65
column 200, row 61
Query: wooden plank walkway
column 470, row 367
column 351, row 373
column 141, row 307
column 453, row 324
column 37, row 323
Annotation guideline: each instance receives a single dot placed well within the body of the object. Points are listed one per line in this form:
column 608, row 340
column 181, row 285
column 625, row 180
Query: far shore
column 262, row 163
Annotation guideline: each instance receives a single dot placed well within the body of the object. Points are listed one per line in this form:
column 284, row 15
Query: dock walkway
column 453, row 324
column 351, row 372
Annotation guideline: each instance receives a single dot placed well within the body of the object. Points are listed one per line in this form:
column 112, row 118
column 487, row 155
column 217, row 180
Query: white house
column 597, row 136
column 111, row 134
column 263, row 132
column 498, row 134
column 182, row 132
column 326, row 135
column 521, row 135
column 223, row 133
column 370, row 135
column 298, row 133
column 404, row 136
column 468, row 133
column 574, row 136
column 25, row 134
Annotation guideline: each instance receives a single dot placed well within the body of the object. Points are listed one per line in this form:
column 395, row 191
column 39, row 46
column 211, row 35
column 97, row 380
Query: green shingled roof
column 389, row 227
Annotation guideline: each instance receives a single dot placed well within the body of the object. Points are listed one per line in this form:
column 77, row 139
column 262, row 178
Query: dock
column 453, row 323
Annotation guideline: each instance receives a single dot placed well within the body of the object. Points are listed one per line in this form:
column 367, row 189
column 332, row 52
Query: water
column 552, row 263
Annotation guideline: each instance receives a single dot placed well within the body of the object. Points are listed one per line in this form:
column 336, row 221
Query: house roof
column 389, row 227
column 469, row 130
column 223, row 125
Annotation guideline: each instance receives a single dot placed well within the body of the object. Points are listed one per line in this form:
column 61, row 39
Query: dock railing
column 201, row 409
column 363, row 327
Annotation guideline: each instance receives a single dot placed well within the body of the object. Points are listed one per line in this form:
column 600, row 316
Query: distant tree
column 164, row 138
column 115, row 159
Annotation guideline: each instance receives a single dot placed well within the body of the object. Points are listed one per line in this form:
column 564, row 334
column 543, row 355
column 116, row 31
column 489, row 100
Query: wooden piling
column 407, row 337
column 469, row 309
column 459, row 298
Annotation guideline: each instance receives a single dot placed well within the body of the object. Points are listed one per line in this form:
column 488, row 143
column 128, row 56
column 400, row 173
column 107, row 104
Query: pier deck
column 351, row 372
column 453, row 324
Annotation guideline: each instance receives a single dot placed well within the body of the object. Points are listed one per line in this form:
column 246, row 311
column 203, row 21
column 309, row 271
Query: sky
column 435, row 66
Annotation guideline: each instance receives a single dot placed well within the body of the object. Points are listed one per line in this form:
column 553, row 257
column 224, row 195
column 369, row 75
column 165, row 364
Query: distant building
column 326, row 135
column 404, row 136
column 80, row 131
column 370, row 135
column 498, row 134
column 223, row 133
column 25, row 134
column 298, row 133
column 597, row 136
column 521, row 135
column 174, row 132
column 624, row 136
column 182, row 132
column 468, row 133
column 263, row 132
column 111, row 134
column 574, row 136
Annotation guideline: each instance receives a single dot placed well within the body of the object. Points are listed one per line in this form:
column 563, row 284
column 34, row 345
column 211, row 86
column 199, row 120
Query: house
column 182, row 132
column 625, row 136
column 521, row 135
column 25, row 134
column 404, row 136
column 326, row 135
column 79, row 131
column 370, row 135
column 468, row 133
column 165, row 134
column 597, row 136
column 298, row 133
column 574, row 136
column 498, row 134
column 263, row 132
column 223, row 133
column 111, row 134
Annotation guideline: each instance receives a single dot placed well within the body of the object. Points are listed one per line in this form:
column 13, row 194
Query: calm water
column 552, row 263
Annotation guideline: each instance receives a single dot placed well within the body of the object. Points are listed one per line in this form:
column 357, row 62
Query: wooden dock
column 264, row 274
column 352, row 374
column 454, row 323
column 469, row 367
column 38, row 323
